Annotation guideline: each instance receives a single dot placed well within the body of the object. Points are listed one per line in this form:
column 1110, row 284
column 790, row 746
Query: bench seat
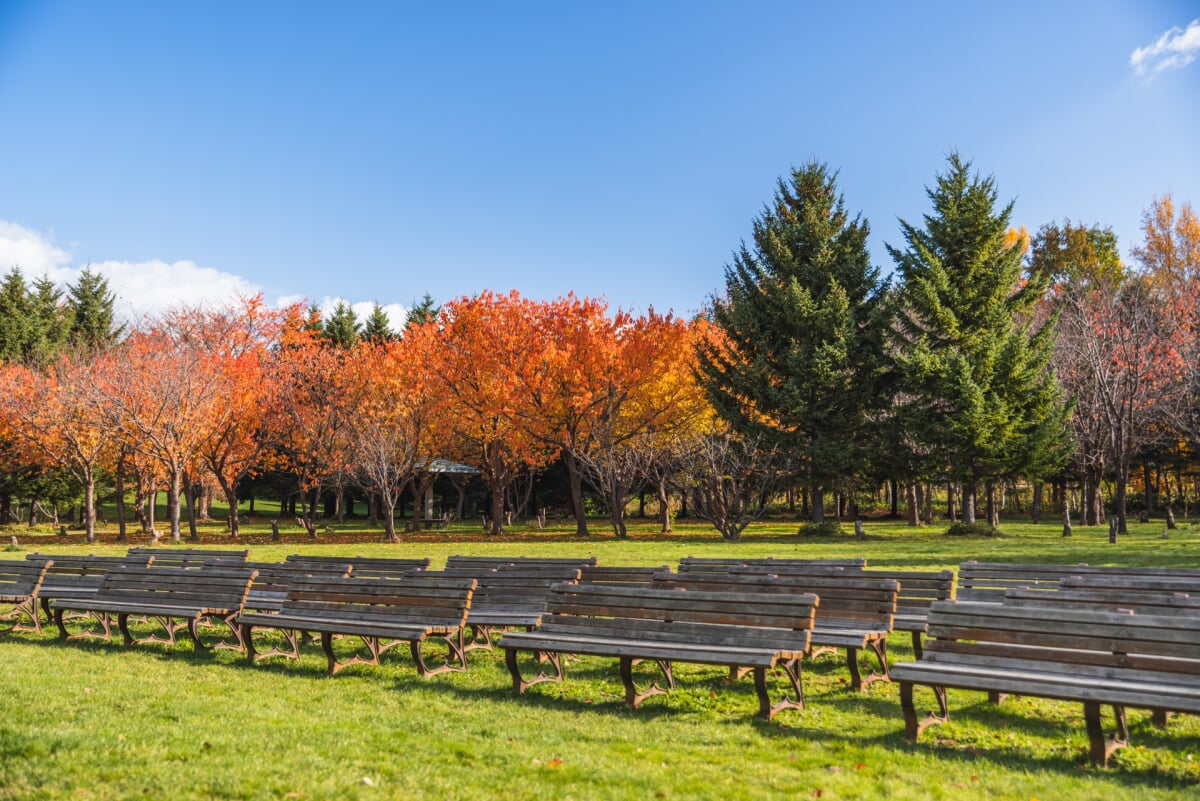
column 19, row 585
column 177, row 597
column 1095, row 655
column 635, row 623
column 855, row 612
column 382, row 612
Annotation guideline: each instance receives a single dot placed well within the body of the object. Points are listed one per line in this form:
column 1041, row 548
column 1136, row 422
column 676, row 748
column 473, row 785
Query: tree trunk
column 913, row 510
column 993, row 508
column 818, row 505
column 664, row 507
column 616, row 513
column 951, row 511
column 389, row 521
column 1035, row 507
column 173, row 491
column 89, row 509
column 575, row 479
column 191, row 496
column 1148, row 480
column 1119, row 500
column 968, row 504
column 120, row 479
column 497, row 488
column 892, row 486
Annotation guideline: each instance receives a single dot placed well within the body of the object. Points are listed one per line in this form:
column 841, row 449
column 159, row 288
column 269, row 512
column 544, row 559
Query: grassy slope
column 96, row 721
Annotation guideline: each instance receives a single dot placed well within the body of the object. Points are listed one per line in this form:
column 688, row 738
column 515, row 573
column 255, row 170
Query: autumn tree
column 311, row 412
column 163, row 397
column 237, row 339
column 489, row 358
column 52, row 412
column 801, row 354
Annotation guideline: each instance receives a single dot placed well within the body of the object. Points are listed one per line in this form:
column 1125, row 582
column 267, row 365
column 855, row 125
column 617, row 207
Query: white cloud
column 1173, row 50
column 149, row 288
column 152, row 287
column 35, row 254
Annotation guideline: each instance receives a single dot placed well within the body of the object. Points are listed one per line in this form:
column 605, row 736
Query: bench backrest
column 277, row 577
column 988, row 581
column 617, row 574
column 464, row 562
column 86, row 564
column 519, row 587
column 366, row 566
column 21, row 579
column 735, row 619
column 918, row 588
column 704, row 564
column 1058, row 638
column 1141, row 602
column 847, row 599
column 170, row 556
column 220, row 588
column 423, row 600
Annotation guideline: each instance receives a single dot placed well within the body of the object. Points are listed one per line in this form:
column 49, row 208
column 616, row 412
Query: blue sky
column 376, row 151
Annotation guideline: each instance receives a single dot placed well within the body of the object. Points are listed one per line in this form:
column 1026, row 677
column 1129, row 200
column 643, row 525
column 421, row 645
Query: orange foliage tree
column 489, row 360
column 53, row 413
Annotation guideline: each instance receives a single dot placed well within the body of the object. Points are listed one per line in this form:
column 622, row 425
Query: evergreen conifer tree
column 802, row 342
column 377, row 328
column 342, row 328
column 50, row 322
column 423, row 312
column 93, row 319
column 977, row 394
column 15, row 316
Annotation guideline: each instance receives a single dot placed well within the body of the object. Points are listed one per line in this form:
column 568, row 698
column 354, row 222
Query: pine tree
column 424, row 312
column 342, row 329
column 50, row 322
column 15, row 316
column 93, row 319
column 377, row 328
column 802, row 347
column 977, row 392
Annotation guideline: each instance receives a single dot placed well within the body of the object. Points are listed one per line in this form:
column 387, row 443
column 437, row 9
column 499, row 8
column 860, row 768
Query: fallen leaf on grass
column 554, row 763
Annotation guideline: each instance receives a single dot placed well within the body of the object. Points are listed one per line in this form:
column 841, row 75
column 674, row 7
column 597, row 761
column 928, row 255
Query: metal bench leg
column 334, row 666
column 520, row 684
column 912, row 726
column 918, row 649
column 456, row 657
column 1101, row 747
column 792, row 668
column 633, row 696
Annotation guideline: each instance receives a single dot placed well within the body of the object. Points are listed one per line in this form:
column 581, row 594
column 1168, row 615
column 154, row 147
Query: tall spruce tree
column 424, row 312
column 802, row 345
column 93, row 318
column 16, row 322
column 977, row 395
column 377, row 328
column 342, row 328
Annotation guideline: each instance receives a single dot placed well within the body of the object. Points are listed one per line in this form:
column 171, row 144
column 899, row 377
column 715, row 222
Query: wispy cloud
column 1174, row 50
column 148, row 288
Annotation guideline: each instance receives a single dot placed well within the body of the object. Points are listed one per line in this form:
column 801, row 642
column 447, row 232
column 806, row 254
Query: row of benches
column 1079, row 642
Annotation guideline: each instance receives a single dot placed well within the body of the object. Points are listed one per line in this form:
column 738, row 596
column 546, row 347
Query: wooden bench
column 989, row 581
column 76, row 576
column 918, row 592
column 621, row 574
column 166, row 594
column 1094, row 656
column 365, row 566
column 463, row 562
column 508, row 595
column 634, row 623
column 855, row 613
column 171, row 556
column 381, row 612
column 19, row 585
column 699, row 564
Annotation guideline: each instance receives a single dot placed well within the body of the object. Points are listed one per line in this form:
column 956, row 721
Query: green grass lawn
column 90, row 720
